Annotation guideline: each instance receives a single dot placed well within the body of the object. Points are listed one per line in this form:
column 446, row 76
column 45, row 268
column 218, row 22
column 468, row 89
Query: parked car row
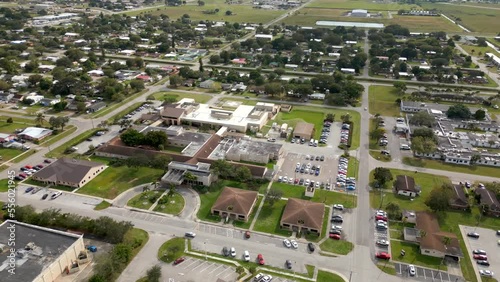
column 480, row 257
column 381, row 220
column 231, row 251
column 381, row 236
column 290, row 243
column 262, row 278
column 336, row 223
column 325, row 132
column 343, row 181
column 344, row 134
column 308, row 168
column 27, row 171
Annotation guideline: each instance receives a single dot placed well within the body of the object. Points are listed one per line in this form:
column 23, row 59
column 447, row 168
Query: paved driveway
column 192, row 269
column 426, row 274
column 487, row 241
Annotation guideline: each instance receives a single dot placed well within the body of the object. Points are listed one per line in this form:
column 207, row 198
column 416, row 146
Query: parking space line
column 199, row 265
column 227, row 275
column 440, row 277
column 220, row 265
column 225, row 269
column 207, row 267
column 194, row 261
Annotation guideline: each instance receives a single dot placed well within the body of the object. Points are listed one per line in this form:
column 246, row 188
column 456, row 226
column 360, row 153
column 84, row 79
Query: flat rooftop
column 50, row 245
column 349, row 24
column 238, row 117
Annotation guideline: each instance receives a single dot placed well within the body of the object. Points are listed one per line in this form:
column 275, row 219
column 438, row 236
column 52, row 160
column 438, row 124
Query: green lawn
column 115, row 180
column 136, row 237
column 361, row 4
column 289, row 190
column 413, row 255
column 325, row 276
column 174, row 206
column 102, row 205
column 341, row 247
column 352, row 168
column 144, row 200
column 426, row 181
column 269, row 219
column 199, row 98
column 67, row 131
column 382, row 100
column 434, row 164
column 295, row 116
column 4, row 185
column 378, row 156
column 9, row 153
column 171, row 250
column 10, row 128
column 387, row 267
column 329, row 198
column 246, row 225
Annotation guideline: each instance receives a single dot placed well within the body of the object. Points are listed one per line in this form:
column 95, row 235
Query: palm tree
column 40, row 119
column 171, row 190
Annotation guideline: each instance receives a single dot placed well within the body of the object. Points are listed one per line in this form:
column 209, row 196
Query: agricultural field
column 475, row 19
column 240, row 13
column 360, row 4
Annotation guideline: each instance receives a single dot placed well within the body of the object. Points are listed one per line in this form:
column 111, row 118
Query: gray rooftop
column 49, row 246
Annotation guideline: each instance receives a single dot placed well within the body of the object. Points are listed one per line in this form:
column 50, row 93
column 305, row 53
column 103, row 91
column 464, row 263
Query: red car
column 383, row 255
column 40, row 166
column 179, row 260
column 28, row 166
column 296, row 181
column 481, row 257
column 260, row 259
column 247, row 234
column 47, row 161
column 335, row 236
column 379, row 217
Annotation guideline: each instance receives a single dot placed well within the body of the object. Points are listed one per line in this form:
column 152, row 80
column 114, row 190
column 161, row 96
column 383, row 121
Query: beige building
column 69, row 172
column 41, row 254
column 235, row 203
column 303, row 130
column 301, row 215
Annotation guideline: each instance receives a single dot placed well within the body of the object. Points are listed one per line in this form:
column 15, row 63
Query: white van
column 315, row 143
column 311, row 142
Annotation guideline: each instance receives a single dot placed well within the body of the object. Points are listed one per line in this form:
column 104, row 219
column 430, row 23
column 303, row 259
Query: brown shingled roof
column 304, row 128
column 310, row 214
column 405, row 183
column 169, row 112
column 434, row 237
column 235, row 200
column 66, row 170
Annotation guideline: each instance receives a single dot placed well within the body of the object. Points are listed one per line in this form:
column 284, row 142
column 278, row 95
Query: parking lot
column 347, row 224
column 194, row 268
column 426, row 274
column 487, row 241
column 395, row 140
column 326, row 175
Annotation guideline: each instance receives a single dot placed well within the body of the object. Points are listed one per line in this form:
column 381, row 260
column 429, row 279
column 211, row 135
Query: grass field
column 434, row 164
column 59, row 151
column 475, row 19
column 426, row 181
column 295, row 116
column 478, row 50
column 341, row 247
column 289, row 190
column 102, row 205
column 174, row 206
column 4, row 185
column 141, row 201
column 240, row 13
column 115, row 180
column 199, row 98
column 8, row 153
column 269, row 217
column 382, row 100
column 308, row 17
column 67, row 131
column 325, row 276
column 171, row 250
column 360, row 4
column 413, row 255
column 10, row 128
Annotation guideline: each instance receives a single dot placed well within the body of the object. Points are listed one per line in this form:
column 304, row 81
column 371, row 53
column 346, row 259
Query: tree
column 480, row 114
column 132, row 137
column 459, row 111
column 228, row 13
column 155, row 139
column 54, row 122
column 438, row 199
column 377, row 133
column 172, row 189
column 63, row 121
column 10, row 120
column 137, row 85
column 243, row 174
column 382, row 175
column 393, row 211
column 474, row 158
column 423, row 145
column 222, row 168
column 81, row 106
column 273, row 195
column 345, row 118
column 422, row 118
column 154, row 274
column 40, row 119
column 400, row 87
column 60, row 106
column 175, row 80
column 201, row 69
column 189, row 177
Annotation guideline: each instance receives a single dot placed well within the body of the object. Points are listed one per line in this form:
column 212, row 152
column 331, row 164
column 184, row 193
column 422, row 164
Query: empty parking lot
column 426, row 274
column 193, row 268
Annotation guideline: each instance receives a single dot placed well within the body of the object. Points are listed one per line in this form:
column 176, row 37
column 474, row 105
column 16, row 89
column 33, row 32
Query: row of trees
column 156, row 139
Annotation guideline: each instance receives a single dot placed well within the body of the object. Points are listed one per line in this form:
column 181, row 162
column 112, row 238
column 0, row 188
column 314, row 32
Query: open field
column 360, row 4
column 475, row 19
column 341, row 247
column 295, row 116
column 478, row 50
column 309, row 16
column 199, row 98
column 413, row 255
column 171, row 250
column 240, row 13
column 435, row 164
column 382, row 100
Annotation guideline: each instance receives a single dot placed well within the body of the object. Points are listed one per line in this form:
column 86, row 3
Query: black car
column 317, row 158
column 288, row 264
column 45, row 196
column 336, row 231
column 225, row 251
column 473, row 234
column 483, row 262
column 311, row 247
column 337, row 220
column 322, row 158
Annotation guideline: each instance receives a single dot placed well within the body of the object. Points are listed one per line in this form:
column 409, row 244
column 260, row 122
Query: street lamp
column 205, row 247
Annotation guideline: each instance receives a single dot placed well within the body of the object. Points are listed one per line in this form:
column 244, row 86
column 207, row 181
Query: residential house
column 189, row 82
column 302, row 215
column 96, row 107
column 35, row 133
column 6, row 137
column 405, row 185
column 234, row 203
column 458, row 198
column 47, row 102
column 207, row 84
column 69, row 172
column 488, row 201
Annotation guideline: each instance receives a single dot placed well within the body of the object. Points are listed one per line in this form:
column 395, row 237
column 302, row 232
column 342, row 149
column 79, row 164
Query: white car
column 246, row 256
column 285, row 179
column 411, row 270
column 294, row 243
column 233, row 252
column 287, row 243
column 56, row 194
column 338, row 207
column 383, row 243
column 336, row 227
column 486, row 273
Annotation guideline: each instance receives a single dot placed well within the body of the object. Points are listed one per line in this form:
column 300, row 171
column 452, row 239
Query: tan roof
column 433, row 237
column 66, row 170
column 305, row 213
column 235, row 200
column 304, row 128
column 405, row 183
column 169, row 112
